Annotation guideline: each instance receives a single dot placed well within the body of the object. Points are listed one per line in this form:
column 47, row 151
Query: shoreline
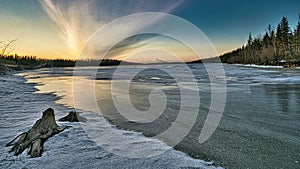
column 230, row 135
column 4, row 70
column 265, row 66
column 77, row 131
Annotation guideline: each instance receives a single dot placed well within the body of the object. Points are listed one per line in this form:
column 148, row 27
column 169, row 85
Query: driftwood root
column 73, row 117
column 34, row 138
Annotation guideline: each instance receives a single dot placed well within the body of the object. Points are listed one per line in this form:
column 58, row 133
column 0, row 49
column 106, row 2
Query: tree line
column 280, row 46
column 32, row 62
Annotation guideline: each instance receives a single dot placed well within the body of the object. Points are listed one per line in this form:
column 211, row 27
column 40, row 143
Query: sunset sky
column 60, row 29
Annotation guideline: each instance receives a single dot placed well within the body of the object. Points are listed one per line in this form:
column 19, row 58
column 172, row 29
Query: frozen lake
column 260, row 126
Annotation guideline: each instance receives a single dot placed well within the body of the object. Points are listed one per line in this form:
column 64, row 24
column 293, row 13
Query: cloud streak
column 77, row 20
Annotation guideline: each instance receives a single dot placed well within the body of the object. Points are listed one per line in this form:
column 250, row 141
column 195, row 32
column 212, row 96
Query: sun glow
column 77, row 20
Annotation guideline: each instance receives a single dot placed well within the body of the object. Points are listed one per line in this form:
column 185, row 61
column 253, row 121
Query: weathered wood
column 36, row 148
column 73, row 117
column 34, row 138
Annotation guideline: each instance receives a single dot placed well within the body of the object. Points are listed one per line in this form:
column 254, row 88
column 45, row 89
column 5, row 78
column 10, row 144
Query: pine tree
column 297, row 39
column 285, row 37
column 250, row 40
column 278, row 42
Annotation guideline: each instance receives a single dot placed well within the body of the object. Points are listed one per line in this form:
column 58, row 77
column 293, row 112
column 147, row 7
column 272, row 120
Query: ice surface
column 22, row 106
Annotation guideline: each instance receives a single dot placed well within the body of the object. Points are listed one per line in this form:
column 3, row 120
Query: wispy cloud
column 77, row 20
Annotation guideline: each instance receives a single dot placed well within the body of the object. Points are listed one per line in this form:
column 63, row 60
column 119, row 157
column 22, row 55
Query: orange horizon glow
column 42, row 37
column 71, row 55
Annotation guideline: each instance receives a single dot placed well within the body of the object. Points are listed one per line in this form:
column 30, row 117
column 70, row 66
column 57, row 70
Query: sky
column 61, row 29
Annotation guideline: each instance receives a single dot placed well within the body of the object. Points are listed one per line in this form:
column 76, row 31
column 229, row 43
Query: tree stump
column 73, row 117
column 34, row 138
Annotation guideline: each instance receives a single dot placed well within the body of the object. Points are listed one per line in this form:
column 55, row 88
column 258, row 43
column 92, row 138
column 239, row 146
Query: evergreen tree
column 297, row 39
column 285, row 37
column 278, row 41
column 250, row 39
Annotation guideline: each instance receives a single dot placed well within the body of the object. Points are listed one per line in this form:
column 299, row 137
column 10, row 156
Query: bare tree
column 7, row 46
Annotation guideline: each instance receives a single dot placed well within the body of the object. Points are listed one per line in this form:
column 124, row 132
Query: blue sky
column 227, row 23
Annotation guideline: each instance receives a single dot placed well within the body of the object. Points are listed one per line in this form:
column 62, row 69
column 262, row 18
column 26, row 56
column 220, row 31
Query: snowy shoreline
column 5, row 70
column 71, row 148
column 263, row 66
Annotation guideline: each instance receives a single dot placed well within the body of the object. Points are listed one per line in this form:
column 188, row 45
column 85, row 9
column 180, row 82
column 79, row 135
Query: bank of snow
column 5, row 70
column 261, row 66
